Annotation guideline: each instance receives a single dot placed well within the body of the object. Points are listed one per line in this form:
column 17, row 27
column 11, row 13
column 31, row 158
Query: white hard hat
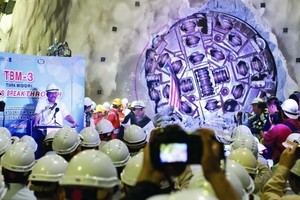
column 52, row 88
column 257, row 100
column 104, row 126
column 246, row 142
column 192, row 194
column 93, row 107
column 237, row 185
column 30, row 141
column 117, row 151
column 290, row 108
column 106, row 105
column 138, row 104
column 90, row 168
column 132, row 169
column 14, row 139
column 50, row 136
column 66, row 141
column 5, row 142
column 49, row 168
column 19, row 157
column 88, row 101
column 198, row 181
column 246, row 158
column 296, row 168
column 159, row 197
column 291, row 139
column 134, row 136
column 241, row 130
column 90, row 137
column 5, row 131
column 124, row 101
column 242, row 174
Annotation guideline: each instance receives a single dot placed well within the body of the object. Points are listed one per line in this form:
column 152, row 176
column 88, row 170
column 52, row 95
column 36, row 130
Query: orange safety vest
column 113, row 117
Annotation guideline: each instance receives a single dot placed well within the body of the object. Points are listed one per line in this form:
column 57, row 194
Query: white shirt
column 18, row 191
column 50, row 116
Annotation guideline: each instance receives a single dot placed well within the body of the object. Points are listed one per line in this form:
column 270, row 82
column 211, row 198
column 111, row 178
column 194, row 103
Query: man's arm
column 275, row 187
column 212, row 167
column 36, row 119
column 70, row 119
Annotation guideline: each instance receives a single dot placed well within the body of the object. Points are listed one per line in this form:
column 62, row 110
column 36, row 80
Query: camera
column 173, row 146
column 297, row 153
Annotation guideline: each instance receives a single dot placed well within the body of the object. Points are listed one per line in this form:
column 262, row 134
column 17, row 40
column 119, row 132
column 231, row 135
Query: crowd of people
column 112, row 157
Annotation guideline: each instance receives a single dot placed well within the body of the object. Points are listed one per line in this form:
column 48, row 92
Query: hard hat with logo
column 66, row 141
column 134, row 136
column 132, row 169
column 90, row 168
column 19, row 157
column 90, row 137
column 5, row 131
column 290, row 108
column 241, row 130
column 52, row 88
column 246, row 158
column 5, row 142
column 117, row 151
column 88, row 101
column 117, row 102
column 246, row 142
column 49, row 168
column 291, row 139
column 242, row 174
column 257, row 100
column 104, row 126
column 237, row 185
column 138, row 104
column 30, row 141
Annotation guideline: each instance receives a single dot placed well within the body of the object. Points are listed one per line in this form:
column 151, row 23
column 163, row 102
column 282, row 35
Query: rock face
column 113, row 34
column 34, row 25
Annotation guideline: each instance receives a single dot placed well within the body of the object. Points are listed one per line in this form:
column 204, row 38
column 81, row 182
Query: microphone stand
column 54, row 116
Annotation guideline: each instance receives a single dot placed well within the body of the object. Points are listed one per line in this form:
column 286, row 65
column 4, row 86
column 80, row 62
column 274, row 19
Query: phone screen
column 173, row 152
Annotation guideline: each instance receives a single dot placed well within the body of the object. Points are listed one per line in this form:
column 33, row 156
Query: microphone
column 52, row 107
column 56, row 111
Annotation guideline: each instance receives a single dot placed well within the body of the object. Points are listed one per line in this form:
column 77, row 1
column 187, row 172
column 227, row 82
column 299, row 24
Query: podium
column 47, row 129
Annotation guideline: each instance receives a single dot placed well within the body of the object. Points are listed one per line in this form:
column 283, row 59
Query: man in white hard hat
column 88, row 119
column 50, row 112
column 141, row 119
column 17, row 163
column 291, row 114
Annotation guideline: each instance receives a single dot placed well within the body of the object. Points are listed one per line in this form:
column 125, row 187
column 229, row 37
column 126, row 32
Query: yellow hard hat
column 100, row 108
column 117, row 102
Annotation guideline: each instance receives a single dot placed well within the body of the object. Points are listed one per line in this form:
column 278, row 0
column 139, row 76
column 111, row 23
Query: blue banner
column 24, row 81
